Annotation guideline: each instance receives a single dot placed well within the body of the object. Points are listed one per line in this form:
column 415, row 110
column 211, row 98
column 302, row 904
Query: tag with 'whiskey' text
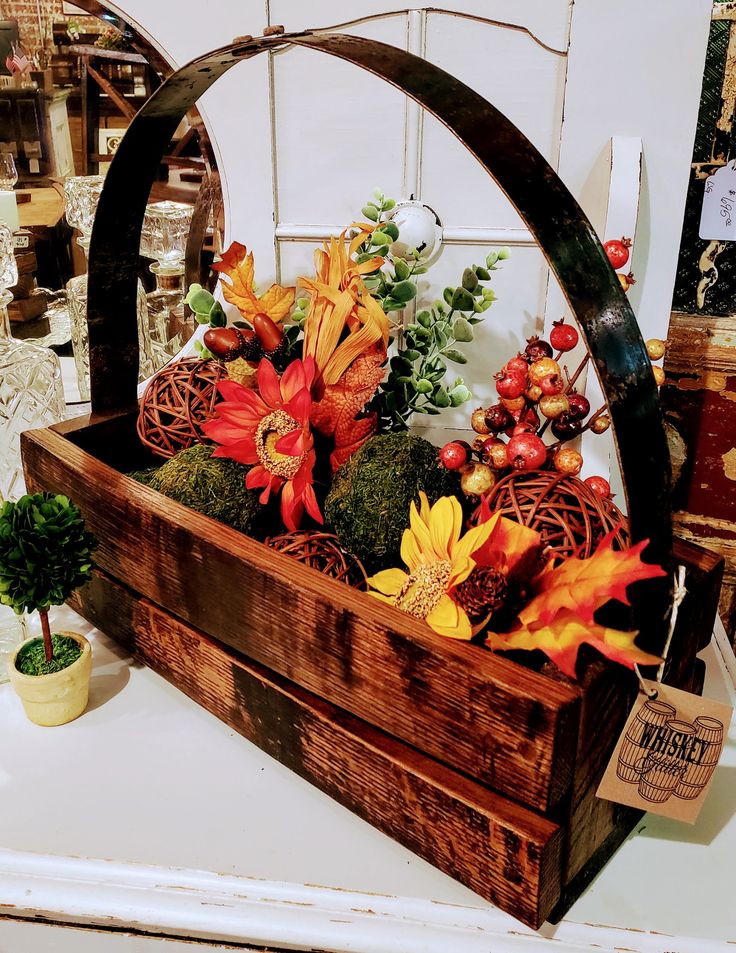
column 666, row 756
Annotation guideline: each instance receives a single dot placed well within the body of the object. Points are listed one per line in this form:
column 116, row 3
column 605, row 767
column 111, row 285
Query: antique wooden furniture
column 485, row 767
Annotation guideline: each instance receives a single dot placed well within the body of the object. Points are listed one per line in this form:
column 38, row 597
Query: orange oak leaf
column 335, row 414
column 236, row 264
column 584, row 585
column 561, row 639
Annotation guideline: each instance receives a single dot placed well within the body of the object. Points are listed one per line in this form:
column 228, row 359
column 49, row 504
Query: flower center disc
column 424, row 588
column 270, row 430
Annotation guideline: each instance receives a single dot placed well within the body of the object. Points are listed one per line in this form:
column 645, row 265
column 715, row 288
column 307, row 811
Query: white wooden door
column 303, row 138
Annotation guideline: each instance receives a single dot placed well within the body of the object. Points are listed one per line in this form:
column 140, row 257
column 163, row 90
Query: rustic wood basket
column 486, row 768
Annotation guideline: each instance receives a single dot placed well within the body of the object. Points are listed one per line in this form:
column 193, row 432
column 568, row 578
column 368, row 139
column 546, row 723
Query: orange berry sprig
column 533, row 393
column 656, row 349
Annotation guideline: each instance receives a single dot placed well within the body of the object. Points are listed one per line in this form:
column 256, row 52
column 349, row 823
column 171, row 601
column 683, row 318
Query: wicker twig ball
column 571, row 518
column 176, row 402
column 322, row 552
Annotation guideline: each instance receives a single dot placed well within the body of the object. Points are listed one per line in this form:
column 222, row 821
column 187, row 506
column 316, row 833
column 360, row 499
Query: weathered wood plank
column 503, row 725
column 506, row 853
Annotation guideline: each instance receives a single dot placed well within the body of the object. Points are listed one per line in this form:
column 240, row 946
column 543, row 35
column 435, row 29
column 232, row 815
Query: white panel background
column 632, row 69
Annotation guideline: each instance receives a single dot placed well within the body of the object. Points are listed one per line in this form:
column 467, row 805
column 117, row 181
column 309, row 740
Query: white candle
column 9, row 210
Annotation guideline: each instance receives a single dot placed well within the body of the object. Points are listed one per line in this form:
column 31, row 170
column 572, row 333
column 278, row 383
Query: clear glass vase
column 31, row 393
column 164, row 237
column 76, row 296
column 81, row 195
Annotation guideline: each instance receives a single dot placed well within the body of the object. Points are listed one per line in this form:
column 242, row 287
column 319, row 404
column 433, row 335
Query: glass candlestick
column 31, row 393
column 81, row 194
column 164, row 237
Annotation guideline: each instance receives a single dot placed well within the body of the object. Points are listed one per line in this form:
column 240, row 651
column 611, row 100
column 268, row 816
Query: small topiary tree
column 45, row 554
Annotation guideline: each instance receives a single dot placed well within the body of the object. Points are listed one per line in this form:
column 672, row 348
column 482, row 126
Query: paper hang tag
column 718, row 215
column 667, row 754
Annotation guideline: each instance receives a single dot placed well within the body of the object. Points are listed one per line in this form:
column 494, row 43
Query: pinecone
column 483, row 592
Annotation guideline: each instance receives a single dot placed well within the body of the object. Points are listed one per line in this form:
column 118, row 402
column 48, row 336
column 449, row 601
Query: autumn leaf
column 335, row 414
column 584, row 585
column 513, row 549
column 236, row 264
column 560, row 640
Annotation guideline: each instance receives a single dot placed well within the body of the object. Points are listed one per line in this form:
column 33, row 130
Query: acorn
column 226, row 344
column 268, row 332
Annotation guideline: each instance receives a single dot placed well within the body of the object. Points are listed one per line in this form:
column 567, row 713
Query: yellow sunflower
column 438, row 559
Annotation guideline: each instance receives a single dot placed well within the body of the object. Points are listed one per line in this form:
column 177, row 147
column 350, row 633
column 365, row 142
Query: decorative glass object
column 164, row 237
column 13, row 631
column 31, row 393
column 8, row 172
column 81, row 194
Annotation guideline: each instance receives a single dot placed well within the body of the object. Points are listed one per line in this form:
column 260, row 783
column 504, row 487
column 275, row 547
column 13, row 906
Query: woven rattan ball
column 570, row 517
column 323, row 552
column 176, row 402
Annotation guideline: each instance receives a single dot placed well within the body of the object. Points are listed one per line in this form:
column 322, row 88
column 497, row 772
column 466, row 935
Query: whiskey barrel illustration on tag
column 698, row 773
column 661, row 771
column 660, row 776
column 633, row 753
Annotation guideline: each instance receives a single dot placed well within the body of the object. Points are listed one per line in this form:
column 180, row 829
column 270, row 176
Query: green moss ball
column 368, row 504
column 211, row 485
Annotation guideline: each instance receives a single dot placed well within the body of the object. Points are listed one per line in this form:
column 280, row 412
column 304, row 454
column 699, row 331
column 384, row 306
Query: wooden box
column 484, row 767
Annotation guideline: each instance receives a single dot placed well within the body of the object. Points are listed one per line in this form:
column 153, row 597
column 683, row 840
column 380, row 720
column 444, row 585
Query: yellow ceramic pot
column 59, row 697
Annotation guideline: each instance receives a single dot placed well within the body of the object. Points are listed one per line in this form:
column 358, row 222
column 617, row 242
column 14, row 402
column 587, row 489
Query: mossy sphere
column 211, row 485
column 368, row 504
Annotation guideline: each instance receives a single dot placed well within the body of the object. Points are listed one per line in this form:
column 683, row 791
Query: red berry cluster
column 533, row 394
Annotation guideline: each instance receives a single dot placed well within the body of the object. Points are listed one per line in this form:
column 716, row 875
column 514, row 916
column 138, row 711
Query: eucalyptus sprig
column 416, row 382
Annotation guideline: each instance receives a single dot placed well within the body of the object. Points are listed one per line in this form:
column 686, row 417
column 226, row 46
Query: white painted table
column 198, row 834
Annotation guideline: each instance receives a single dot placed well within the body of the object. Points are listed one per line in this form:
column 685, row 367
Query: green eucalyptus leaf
column 469, row 280
column 402, row 269
column 391, row 229
column 462, row 300
column 457, row 357
column 400, row 364
column 440, row 397
column 379, row 237
column 411, row 355
column 370, row 212
column 482, row 273
column 425, row 319
column 218, row 318
column 503, row 254
column 404, row 291
column 448, row 294
column 462, row 330
column 424, row 386
column 199, row 299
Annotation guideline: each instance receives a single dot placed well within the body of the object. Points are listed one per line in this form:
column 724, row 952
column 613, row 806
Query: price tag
column 718, row 216
column 666, row 756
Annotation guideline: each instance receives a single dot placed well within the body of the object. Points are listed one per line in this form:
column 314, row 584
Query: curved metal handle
column 565, row 236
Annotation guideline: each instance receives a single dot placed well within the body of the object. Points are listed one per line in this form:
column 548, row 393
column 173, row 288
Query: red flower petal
column 310, row 501
column 300, row 406
column 268, row 384
column 293, row 380
column 242, row 451
column 291, row 443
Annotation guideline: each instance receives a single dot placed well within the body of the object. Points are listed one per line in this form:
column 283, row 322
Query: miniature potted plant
column 45, row 554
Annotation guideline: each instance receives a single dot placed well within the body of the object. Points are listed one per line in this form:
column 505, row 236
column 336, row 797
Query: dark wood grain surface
column 504, row 852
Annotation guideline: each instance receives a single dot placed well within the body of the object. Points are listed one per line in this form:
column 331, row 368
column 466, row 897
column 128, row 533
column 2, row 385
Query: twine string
column 679, row 594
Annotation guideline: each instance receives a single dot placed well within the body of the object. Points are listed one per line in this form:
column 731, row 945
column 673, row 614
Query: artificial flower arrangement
column 310, row 431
